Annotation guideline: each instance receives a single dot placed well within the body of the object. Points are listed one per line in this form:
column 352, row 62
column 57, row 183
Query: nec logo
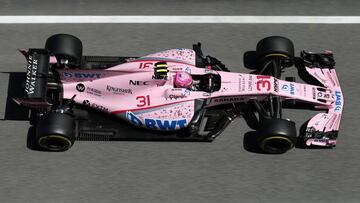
column 138, row 83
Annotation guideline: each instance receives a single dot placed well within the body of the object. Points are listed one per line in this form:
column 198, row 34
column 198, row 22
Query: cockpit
column 207, row 82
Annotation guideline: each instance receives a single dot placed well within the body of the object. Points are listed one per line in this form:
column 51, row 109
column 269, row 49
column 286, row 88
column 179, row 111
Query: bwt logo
column 81, row 75
column 156, row 124
column 138, row 83
column 292, row 88
column 337, row 101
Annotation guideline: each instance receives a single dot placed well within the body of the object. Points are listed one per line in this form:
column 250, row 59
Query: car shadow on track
column 15, row 89
column 250, row 143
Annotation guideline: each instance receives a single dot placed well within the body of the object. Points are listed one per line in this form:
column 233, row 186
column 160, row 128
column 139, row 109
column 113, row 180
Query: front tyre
column 275, row 46
column 55, row 131
column 276, row 136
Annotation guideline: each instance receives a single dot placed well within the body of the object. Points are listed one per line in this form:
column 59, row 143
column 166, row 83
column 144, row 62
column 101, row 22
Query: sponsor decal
column 241, row 84
column 319, row 140
column 31, row 75
column 117, row 90
column 156, row 124
column 80, row 87
column 188, row 69
column 337, row 101
column 177, row 89
column 96, row 106
column 138, row 83
column 86, row 102
column 177, row 69
column 231, row 99
column 314, row 93
column 250, row 83
column 187, row 92
column 143, row 101
column 81, row 75
column 93, row 91
column 263, row 82
column 292, row 88
column 276, row 85
column 285, row 87
column 145, row 65
column 174, row 96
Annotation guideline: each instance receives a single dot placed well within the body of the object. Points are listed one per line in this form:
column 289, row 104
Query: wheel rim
column 55, row 143
column 277, row 144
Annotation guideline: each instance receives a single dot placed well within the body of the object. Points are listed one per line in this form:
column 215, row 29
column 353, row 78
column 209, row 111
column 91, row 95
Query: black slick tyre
column 276, row 136
column 275, row 46
column 67, row 47
column 55, row 131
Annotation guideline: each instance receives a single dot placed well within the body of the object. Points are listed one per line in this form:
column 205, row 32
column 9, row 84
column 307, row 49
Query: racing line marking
column 182, row 19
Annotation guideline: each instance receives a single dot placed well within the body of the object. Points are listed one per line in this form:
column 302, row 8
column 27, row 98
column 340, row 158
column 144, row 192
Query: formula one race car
column 177, row 94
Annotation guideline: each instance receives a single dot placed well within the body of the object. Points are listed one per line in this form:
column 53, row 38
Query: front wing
column 322, row 129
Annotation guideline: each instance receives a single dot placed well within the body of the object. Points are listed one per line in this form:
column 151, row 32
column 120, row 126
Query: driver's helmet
column 183, row 80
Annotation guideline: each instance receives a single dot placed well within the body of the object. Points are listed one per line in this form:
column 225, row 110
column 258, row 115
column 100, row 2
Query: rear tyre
column 55, row 131
column 275, row 46
column 65, row 47
column 276, row 136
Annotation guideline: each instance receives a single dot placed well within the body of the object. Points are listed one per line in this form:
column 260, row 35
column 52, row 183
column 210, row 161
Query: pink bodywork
column 129, row 91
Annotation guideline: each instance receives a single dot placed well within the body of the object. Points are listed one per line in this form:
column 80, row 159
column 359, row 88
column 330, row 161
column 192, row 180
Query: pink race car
column 178, row 94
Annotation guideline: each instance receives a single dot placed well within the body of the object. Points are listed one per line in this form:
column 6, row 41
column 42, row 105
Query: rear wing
column 37, row 71
column 319, row 68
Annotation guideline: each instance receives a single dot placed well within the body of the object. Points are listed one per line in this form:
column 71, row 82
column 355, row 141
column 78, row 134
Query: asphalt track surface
column 222, row 171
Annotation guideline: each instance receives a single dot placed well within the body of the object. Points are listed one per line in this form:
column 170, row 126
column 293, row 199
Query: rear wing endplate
column 36, row 74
